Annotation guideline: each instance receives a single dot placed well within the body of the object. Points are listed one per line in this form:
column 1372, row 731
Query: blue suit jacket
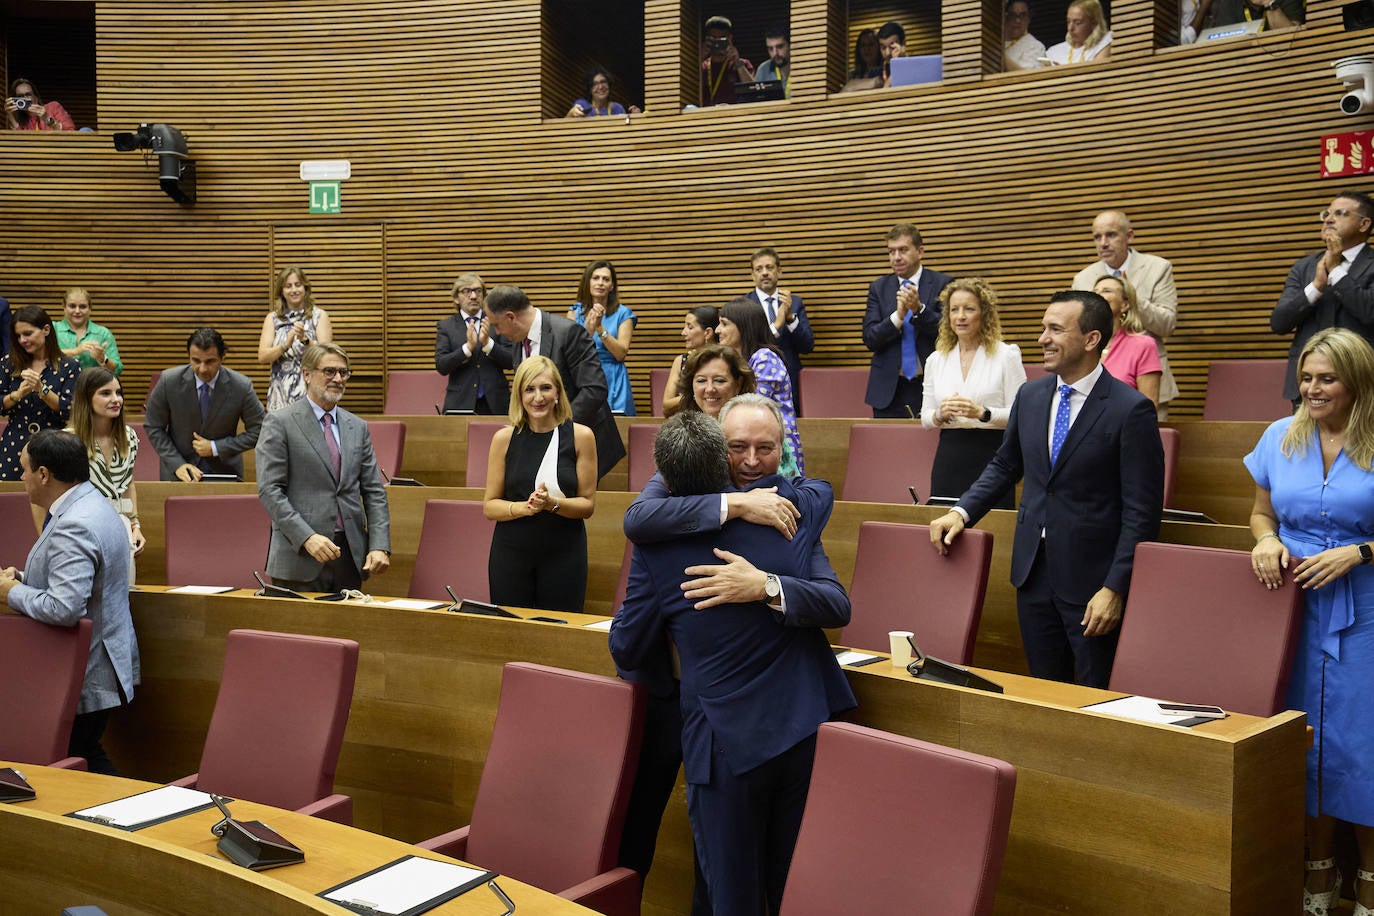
column 752, row 685
column 885, row 340
column 1103, row 496
column 79, row 567
column 792, row 343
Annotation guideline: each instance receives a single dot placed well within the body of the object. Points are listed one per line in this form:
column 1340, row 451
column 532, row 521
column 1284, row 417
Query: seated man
column 778, row 66
column 78, row 568
column 193, row 413
column 758, row 677
column 892, row 42
column 723, row 68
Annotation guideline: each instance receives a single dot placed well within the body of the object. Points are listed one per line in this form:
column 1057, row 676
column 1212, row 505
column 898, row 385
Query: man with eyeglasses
column 463, row 348
column 1331, row 288
column 318, row 481
column 1152, row 279
column 1021, row 50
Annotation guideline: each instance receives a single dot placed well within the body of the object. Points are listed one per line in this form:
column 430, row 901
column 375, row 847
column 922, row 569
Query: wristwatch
column 1366, row 554
column 987, row 415
column 772, row 587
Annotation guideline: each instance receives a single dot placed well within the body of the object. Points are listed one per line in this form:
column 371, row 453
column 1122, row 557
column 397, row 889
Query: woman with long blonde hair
column 293, row 323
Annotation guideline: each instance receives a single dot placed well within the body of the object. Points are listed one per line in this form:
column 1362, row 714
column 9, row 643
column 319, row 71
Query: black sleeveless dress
column 539, row 561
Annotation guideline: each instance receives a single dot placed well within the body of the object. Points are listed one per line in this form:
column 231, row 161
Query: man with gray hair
column 463, row 346
column 318, row 481
column 759, row 657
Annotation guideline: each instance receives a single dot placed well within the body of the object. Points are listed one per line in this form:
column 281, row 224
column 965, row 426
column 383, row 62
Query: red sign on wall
column 1348, row 154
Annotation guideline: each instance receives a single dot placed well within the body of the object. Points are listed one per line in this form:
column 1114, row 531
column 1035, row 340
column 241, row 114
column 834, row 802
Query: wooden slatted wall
column 1213, row 151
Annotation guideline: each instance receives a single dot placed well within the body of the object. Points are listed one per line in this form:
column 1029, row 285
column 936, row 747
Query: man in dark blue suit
column 901, row 322
column 786, row 314
column 758, row 676
column 1089, row 450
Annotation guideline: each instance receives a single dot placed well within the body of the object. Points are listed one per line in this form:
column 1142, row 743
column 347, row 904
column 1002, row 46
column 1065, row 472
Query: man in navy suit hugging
column 901, row 322
column 758, row 677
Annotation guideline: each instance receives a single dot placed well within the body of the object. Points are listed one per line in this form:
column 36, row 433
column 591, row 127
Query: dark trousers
column 87, row 728
column 335, row 576
column 745, row 828
column 908, row 394
column 1052, row 633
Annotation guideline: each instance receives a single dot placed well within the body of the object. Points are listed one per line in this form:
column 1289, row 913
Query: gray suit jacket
column 79, row 567
column 173, row 415
column 297, row 487
column 1152, row 278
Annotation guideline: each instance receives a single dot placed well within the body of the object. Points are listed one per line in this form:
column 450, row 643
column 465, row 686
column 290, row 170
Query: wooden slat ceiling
column 1213, row 151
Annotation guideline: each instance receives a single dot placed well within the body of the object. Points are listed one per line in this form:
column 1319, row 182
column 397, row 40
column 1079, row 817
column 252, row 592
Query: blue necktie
column 1061, row 423
column 46, row 518
column 771, row 309
column 204, row 401
column 911, row 363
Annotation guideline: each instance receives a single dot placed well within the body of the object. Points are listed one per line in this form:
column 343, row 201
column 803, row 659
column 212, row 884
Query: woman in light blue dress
column 1314, row 523
column 612, row 326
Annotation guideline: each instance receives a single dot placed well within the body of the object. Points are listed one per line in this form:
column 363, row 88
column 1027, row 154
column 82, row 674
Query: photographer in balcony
column 723, row 68
column 24, row 110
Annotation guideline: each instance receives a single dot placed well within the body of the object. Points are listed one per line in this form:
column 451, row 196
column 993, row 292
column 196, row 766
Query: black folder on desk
column 356, row 893
column 14, row 787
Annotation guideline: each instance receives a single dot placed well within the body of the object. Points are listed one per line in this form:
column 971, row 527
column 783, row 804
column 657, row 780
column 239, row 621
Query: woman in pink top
column 1133, row 355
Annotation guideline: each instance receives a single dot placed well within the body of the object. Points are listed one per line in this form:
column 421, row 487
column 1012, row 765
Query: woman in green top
column 83, row 340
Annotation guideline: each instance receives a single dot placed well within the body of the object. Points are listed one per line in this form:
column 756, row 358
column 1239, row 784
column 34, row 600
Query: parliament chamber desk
column 51, row 861
column 1111, row 816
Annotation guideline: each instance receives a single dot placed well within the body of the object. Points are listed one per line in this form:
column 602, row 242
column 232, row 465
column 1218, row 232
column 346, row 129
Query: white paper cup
column 899, row 647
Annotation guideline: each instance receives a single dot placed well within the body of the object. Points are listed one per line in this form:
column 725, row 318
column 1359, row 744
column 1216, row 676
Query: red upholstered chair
column 480, row 434
column 241, row 530
column 279, row 722
column 1199, row 628
column 1169, row 438
column 641, row 450
column 900, row 583
column 658, row 384
column 835, row 391
column 555, row 786
column 1035, row 371
column 455, row 540
column 152, row 383
column 389, row 444
column 16, row 520
column 1246, row 389
column 897, row 825
column 886, row 458
column 147, row 465
column 41, row 671
column 414, row 392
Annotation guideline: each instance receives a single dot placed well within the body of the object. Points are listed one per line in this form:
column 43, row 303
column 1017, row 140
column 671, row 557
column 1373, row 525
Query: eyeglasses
column 1338, row 214
column 342, row 375
column 469, row 291
column 599, row 82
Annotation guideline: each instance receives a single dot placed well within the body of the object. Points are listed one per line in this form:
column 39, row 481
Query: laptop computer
column 759, row 91
column 1234, row 30
column 913, row 71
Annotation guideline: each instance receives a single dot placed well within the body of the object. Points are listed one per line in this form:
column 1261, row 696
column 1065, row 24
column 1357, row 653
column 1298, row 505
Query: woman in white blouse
column 1087, row 36
column 970, row 381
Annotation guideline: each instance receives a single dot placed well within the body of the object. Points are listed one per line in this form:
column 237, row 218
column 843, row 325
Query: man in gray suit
column 536, row 333
column 193, row 413
column 78, row 568
column 318, row 480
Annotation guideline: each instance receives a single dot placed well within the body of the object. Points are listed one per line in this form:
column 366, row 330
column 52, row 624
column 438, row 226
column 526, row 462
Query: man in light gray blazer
column 193, row 413
column 318, row 480
column 78, row 568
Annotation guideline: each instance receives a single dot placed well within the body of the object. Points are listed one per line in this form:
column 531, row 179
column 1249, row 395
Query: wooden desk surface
column 1111, row 816
column 52, row 861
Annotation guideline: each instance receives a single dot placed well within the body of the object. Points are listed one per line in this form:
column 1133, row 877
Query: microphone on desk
column 274, row 591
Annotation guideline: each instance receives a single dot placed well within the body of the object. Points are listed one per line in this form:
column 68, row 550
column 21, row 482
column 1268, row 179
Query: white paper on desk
column 1141, row 709
column 850, row 657
column 201, row 589
column 414, row 604
column 405, row 885
column 145, row 807
column 599, row 625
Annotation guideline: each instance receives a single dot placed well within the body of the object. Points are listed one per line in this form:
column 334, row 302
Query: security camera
column 1357, row 73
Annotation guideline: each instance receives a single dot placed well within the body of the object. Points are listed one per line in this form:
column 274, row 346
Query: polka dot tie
column 1061, row 423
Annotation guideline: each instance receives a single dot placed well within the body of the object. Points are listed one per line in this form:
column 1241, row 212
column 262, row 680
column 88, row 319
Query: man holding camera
column 723, row 68
column 24, row 110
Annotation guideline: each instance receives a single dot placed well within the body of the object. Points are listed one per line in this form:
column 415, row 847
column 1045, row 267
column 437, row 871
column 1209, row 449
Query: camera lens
column 21, row 104
column 1351, row 104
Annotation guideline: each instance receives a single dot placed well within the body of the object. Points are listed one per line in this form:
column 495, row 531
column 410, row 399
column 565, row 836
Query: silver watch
column 772, row 587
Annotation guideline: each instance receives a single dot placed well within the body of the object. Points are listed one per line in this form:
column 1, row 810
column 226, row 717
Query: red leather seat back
column 454, row 543
column 242, row 532
column 41, row 671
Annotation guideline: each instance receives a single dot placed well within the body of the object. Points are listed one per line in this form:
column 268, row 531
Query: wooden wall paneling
column 346, row 267
column 669, row 69
column 961, row 40
column 809, row 78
